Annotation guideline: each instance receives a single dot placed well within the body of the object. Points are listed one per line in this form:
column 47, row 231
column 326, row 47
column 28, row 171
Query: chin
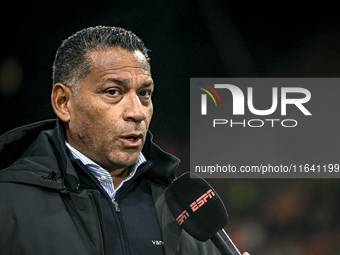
column 126, row 160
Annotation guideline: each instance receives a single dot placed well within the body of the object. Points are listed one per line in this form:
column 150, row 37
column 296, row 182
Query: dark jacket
column 48, row 205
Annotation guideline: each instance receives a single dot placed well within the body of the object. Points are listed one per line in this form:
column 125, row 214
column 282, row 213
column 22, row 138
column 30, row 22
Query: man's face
column 111, row 113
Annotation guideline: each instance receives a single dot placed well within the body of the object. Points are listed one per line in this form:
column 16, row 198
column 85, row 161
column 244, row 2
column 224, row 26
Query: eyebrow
column 122, row 82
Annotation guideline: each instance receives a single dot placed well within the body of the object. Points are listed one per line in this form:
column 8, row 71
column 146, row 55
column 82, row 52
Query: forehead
column 115, row 59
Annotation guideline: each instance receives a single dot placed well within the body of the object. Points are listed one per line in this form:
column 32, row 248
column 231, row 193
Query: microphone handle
column 224, row 243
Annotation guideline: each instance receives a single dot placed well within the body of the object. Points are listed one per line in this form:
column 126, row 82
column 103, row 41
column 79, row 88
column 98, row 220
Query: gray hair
column 72, row 63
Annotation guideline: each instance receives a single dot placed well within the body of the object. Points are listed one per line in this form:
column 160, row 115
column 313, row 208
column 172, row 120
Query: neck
column 119, row 175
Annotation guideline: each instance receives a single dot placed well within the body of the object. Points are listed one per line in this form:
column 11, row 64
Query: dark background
column 195, row 39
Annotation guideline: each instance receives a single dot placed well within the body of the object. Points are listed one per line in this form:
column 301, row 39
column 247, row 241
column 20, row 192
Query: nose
column 134, row 110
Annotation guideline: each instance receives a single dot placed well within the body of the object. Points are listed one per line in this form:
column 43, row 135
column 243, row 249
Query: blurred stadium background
column 195, row 39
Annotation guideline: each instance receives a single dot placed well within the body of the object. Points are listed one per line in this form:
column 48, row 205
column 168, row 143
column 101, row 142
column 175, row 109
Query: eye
column 112, row 92
column 145, row 93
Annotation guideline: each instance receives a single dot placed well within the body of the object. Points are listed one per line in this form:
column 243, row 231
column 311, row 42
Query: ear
column 61, row 99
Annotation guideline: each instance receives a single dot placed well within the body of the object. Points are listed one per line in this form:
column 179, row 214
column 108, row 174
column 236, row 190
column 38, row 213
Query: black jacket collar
column 36, row 154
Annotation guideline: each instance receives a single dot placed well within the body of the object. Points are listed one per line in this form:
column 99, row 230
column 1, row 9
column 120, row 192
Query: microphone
column 199, row 210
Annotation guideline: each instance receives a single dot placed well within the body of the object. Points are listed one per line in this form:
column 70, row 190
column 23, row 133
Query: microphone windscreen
column 196, row 206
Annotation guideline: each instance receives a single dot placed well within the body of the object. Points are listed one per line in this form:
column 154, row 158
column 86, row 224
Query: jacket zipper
column 120, row 225
column 115, row 203
column 117, row 216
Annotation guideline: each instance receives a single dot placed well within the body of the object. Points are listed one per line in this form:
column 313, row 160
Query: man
column 92, row 181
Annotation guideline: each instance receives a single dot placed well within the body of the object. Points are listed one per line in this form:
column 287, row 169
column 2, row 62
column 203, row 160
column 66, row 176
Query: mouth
column 132, row 140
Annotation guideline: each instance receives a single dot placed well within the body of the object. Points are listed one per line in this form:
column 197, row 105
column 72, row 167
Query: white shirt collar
column 102, row 175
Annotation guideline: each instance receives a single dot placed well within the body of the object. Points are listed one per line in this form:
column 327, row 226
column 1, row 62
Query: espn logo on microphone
column 195, row 206
column 182, row 217
column 202, row 200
